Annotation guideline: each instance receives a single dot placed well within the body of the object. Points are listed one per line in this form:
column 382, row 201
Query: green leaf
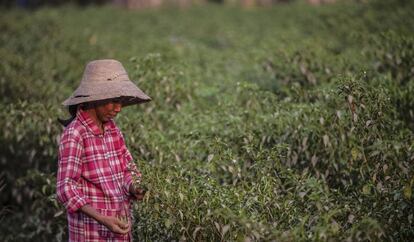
column 168, row 222
column 408, row 192
column 366, row 189
column 354, row 153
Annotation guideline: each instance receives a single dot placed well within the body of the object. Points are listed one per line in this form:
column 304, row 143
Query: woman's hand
column 137, row 193
column 112, row 223
column 115, row 225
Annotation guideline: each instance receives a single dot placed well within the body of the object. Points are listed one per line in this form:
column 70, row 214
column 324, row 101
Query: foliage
column 291, row 123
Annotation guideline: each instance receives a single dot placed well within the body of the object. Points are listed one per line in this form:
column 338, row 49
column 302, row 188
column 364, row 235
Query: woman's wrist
column 93, row 213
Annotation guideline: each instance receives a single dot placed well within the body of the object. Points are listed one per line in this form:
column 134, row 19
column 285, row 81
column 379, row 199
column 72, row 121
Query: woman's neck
column 94, row 117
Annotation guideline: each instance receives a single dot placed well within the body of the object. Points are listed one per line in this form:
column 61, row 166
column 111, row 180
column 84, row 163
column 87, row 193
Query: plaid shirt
column 93, row 170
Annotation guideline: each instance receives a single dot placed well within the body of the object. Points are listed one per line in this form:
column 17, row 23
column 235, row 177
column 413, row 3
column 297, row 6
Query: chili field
column 288, row 123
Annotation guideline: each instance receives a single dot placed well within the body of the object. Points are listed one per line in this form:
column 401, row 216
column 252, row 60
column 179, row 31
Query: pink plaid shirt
column 93, row 170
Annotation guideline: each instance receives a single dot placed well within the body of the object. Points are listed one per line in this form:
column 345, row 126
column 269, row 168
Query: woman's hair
column 72, row 110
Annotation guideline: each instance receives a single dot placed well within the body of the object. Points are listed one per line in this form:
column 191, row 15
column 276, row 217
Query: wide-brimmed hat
column 106, row 79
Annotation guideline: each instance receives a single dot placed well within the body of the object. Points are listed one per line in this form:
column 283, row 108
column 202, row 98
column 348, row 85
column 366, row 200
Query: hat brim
column 97, row 91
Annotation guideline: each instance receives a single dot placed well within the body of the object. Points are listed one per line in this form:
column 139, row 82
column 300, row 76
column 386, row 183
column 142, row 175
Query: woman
column 94, row 180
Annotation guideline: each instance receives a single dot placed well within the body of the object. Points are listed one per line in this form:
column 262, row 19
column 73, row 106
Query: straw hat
column 106, row 79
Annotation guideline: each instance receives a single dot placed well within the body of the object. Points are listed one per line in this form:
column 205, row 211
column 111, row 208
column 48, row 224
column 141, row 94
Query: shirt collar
column 88, row 122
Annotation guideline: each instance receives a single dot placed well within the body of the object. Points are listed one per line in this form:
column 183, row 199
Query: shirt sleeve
column 129, row 167
column 69, row 172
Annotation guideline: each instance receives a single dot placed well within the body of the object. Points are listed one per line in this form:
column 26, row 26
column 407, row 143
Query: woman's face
column 108, row 110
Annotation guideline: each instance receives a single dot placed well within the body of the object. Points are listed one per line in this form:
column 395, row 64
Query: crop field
column 288, row 123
